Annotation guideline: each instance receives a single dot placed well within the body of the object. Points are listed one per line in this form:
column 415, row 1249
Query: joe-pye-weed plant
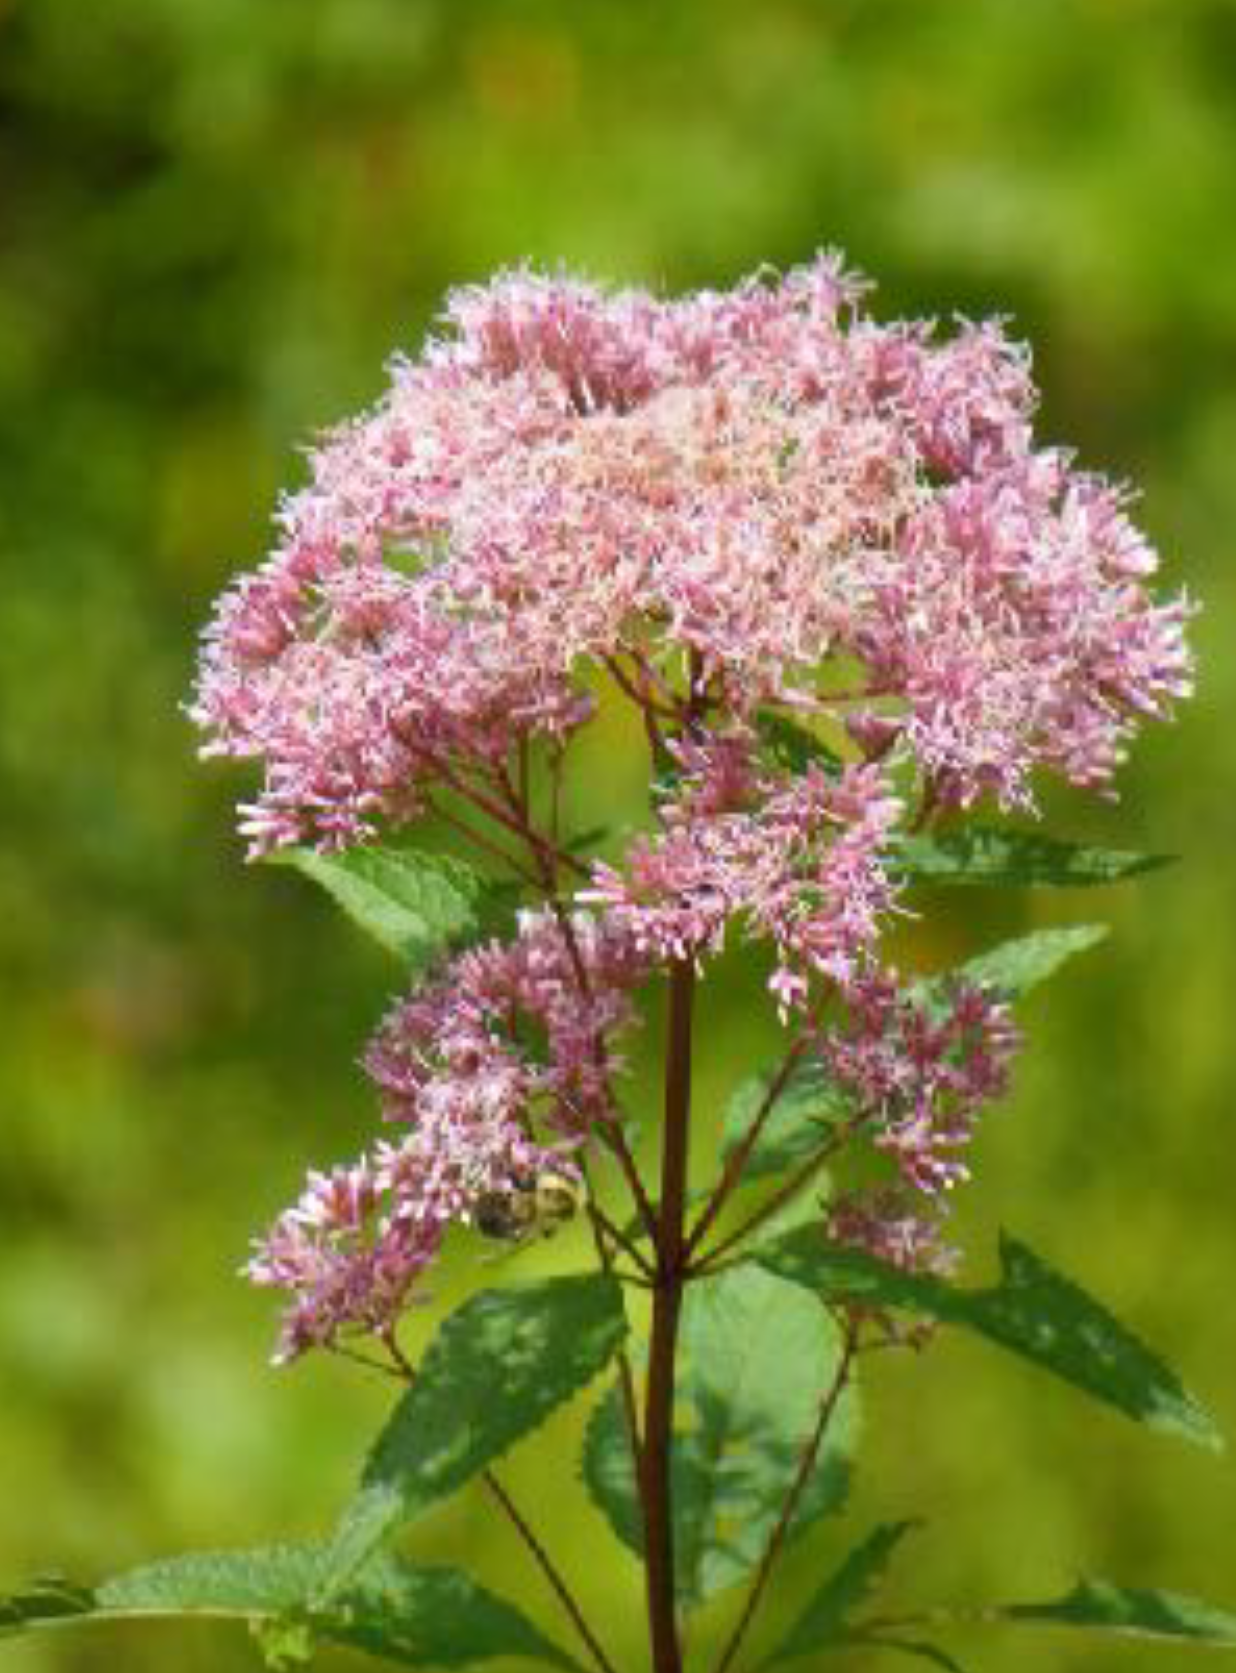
column 861, row 618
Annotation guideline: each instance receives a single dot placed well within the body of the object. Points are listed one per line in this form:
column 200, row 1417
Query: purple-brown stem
column 666, row 1308
column 544, row 859
column 513, row 811
column 549, row 1570
column 648, row 707
column 612, row 1135
column 486, row 804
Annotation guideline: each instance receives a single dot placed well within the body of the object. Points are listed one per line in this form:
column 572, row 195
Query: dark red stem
column 666, row 1309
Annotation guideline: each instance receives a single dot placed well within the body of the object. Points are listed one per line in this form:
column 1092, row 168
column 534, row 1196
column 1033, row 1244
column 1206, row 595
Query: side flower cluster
column 919, row 1066
column 498, row 1069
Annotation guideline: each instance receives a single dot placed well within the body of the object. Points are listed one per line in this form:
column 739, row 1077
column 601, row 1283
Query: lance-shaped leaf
column 985, row 854
column 1141, row 1612
column 807, row 1106
column 496, row 1369
column 415, row 1617
column 418, row 906
column 759, row 1356
column 827, row 1623
column 1033, row 1312
column 1019, row 965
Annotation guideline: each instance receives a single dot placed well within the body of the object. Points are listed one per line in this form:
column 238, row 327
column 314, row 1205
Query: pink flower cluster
column 764, row 477
column 887, row 1223
column 921, row 1067
column 925, row 1069
column 797, row 857
column 498, row 1069
column 739, row 506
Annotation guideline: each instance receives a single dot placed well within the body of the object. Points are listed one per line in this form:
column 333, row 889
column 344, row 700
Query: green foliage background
column 217, row 219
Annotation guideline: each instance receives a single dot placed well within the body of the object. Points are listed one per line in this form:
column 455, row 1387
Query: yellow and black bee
column 532, row 1205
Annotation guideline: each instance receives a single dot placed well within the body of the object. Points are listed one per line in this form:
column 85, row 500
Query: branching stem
column 619, row 1238
column 548, row 1568
column 737, row 1161
column 481, row 841
column 796, row 1183
column 553, row 1576
column 626, row 1377
column 806, row 1464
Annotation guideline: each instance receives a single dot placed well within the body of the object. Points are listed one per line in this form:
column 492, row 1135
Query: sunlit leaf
column 1033, row 1312
column 415, row 1617
column 1019, row 965
column 757, row 1356
column 495, row 1370
column 1142, row 1612
column 418, row 906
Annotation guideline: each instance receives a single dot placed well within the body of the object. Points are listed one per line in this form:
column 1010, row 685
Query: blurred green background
column 217, row 218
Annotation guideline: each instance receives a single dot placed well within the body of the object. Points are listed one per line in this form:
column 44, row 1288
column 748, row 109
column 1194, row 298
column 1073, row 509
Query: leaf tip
column 1189, row 1420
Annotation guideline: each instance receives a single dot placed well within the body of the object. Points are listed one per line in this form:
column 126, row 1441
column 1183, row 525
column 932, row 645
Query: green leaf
column 825, row 1623
column 592, row 837
column 496, row 1369
column 1144, row 1613
column 797, row 1125
column 916, row 1648
column 418, row 906
column 46, row 1602
column 1033, row 1312
column 793, row 747
column 1017, row 966
column 416, row 1617
column 284, row 1642
column 985, row 854
column 757, row 1357
column 608, row 1472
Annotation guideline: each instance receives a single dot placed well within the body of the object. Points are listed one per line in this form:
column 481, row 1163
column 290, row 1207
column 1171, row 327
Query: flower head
column 760, row 478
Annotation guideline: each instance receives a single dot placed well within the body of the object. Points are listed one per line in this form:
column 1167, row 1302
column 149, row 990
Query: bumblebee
column 533, row 1205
